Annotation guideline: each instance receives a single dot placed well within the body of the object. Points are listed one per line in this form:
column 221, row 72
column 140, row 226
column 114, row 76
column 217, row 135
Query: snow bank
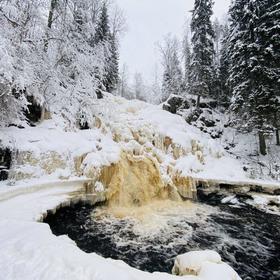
column 190, row 263
column 214, row 271
column 206, row 265
column 53, row 151
column 30, row 251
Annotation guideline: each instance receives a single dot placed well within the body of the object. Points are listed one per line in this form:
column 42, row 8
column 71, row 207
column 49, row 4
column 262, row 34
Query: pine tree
column 269, row 31
column 266, row 64
column 101, row 38
column 253, row 72
column 203, row 49
column 112, row 68
column 187, row 56
column 187, row 63
column 102, row 31
column 238, row 53
column 216, row 82
column 224, row 67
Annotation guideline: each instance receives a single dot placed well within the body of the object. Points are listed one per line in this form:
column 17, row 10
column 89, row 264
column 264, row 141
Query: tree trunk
column 276, row 125
column 262, row 143
column 198, row 101
column 50, row 21
column 277, row 137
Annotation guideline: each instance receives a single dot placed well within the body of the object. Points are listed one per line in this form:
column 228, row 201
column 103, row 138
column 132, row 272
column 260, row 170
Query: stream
column 150, row 237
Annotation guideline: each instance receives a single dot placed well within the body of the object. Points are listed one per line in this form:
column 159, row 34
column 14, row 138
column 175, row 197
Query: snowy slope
column 193, row 153
column 56, row 149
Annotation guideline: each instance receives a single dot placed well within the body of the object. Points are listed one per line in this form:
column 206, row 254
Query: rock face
column 5, row 163
column 174, row 103
column 32, row 165
column 35, row 112
column 186, row 187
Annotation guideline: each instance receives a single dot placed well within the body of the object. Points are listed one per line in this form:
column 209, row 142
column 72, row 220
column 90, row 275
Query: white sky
column 148, row 22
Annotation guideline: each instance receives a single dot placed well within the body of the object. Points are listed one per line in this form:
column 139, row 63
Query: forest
column 110, row 174
column 64, row 54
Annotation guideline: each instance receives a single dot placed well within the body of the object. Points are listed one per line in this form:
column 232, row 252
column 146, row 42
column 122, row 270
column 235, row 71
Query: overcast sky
column 148, row 22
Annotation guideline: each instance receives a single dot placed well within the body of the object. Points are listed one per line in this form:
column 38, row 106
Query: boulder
column 191, row 262
column 174, row 103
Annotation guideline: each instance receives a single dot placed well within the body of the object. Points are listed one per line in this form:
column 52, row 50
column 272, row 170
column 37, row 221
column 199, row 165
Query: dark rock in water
column 5, row 163
column 174, row 103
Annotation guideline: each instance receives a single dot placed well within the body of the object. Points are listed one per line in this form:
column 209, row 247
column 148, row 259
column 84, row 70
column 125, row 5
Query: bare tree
column 50, row 22
column 172, row 73
column 118, row 22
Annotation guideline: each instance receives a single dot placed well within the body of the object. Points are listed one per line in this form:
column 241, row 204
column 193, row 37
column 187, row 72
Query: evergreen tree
column 238, row 54
column 216, row 82
column 269, row 33
column 224, row 67
column 265, row 64
column 187, row 56
column 203, row 49
column 254, row 72
column 187, row 63
column 102, row 31
column 112, row 68
column 102, row 38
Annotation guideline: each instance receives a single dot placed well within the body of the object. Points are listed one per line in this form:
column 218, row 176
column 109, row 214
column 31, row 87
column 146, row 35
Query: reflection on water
column 149, row 237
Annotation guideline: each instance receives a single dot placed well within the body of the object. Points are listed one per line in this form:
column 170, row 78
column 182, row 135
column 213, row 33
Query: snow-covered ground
column 217, row 121
column 30, row 251
column 56, row 150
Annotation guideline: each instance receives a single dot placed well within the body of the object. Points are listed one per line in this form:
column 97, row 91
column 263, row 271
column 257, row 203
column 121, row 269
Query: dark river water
column 150, row 239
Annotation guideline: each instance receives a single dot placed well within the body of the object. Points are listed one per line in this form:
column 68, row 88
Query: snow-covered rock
column 191, row 262
column 217, row 271
column 206, row 265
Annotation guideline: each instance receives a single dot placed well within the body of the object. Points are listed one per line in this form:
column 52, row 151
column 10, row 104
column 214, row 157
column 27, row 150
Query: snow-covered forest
column 107, row 175
column 235, row 63
column 59, row 56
